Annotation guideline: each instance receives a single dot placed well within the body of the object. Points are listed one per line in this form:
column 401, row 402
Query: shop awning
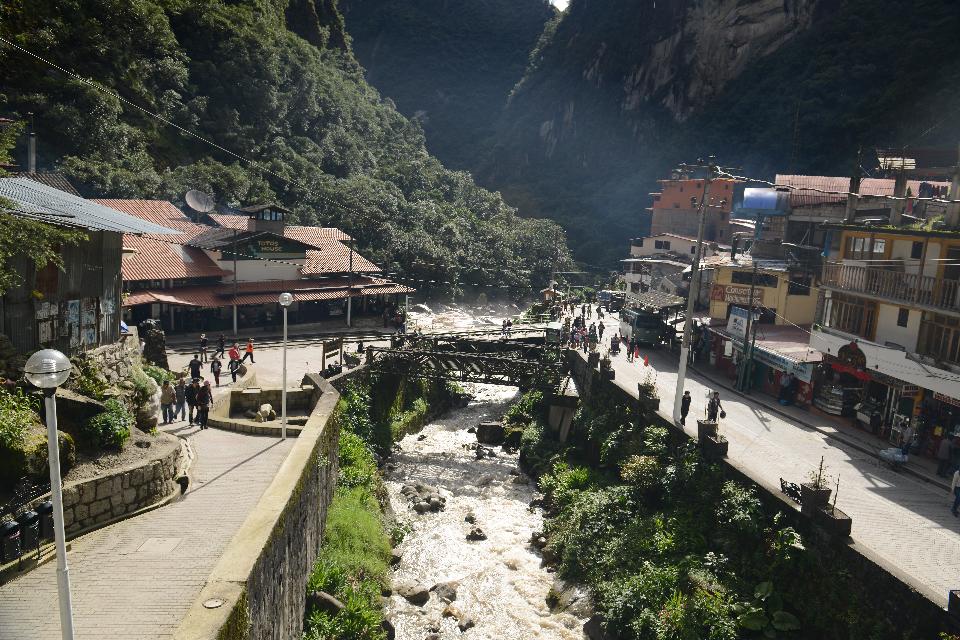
column 785, row 348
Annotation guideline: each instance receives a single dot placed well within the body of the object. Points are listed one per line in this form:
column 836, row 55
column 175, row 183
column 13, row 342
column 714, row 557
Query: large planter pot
column 705, row 429
column 649, row 404
column 836, row 523
column 812, row 499
column 714, row 447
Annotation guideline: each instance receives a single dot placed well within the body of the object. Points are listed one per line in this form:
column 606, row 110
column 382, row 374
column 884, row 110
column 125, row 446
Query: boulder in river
column 323, row 601
column 490, row 433
column 389, row 629
column 413, row 593
column 446, row 591
column 395, row 557
column 476, row 533
column 421, row 507
column 593, row 629
column 470, row 518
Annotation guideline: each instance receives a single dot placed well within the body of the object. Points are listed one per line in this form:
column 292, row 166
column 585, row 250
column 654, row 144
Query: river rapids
column 500, row 583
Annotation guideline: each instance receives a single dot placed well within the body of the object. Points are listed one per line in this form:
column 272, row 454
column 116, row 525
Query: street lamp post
column 285, row 300
column 48, row 369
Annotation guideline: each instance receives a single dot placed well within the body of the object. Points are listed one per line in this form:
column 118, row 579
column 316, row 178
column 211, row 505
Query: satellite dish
column 199, row 201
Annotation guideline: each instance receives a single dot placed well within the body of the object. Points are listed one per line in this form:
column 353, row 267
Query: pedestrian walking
column 191, row 397
column 248, row 352
column 944, row 456
column 221, row 346
column 599, row 312
column 180, row 398
column 234, row 368
column 234, row 352
column 685, row 407
column 215, row 368
column 600, row 329
column 503, row 329
column 203, row 347
column 195, row 366
column 583, row 311
column 204, row 398
column 509, row 327
column 714, row 408
column 906, row 440
column 167, row 396
column 955, row 489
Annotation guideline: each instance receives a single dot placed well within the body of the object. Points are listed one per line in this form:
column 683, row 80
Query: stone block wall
column 97, row 501
column 262, row 575
column 115, row 360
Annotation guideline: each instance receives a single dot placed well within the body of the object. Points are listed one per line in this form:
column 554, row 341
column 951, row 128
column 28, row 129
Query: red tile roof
column 163, row 257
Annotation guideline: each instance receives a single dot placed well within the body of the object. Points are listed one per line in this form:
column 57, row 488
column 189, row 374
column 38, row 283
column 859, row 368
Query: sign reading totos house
column 736, row 293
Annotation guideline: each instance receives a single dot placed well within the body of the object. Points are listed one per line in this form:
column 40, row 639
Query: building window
column 940, row 338
column 852, row 315
column 799, row 285
column 661, row 244
column 747, row 277
column 903, row 317
column 865, row 249
column 916, row 251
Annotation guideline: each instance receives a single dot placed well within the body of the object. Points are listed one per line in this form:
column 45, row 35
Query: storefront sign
column 737, row 323
column 942, row 398
column 736, row 294
column 802, row 370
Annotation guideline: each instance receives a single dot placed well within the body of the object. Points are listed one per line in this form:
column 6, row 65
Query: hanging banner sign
column 736, row 294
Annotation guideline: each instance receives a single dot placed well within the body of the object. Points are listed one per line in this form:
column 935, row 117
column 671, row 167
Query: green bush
column 158, row 374
column 86, row 379
column 18, row 412
column 643, row 472
column 110, row 429
column 564, row 483
column 143, row 385
column 410, row 420
column 358, row 468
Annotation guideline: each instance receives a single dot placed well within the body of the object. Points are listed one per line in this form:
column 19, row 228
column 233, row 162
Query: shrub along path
column 138, row 578
column 901, row 523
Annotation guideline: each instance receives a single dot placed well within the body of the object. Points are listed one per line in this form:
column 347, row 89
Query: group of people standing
column 579, row 336
column 176, row 399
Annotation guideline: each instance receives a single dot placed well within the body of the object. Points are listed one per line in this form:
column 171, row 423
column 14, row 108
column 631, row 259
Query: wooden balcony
column 896, row 286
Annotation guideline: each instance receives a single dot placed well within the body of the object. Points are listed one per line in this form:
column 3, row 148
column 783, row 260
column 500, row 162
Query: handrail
column 908, row 288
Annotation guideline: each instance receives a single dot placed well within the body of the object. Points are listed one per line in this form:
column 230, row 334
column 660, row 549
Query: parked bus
column 647, row 328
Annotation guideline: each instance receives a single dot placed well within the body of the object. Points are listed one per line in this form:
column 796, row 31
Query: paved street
column 137, row 578
column 900, row 521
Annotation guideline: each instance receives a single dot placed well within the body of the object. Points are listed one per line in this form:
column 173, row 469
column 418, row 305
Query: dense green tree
column 273, row 84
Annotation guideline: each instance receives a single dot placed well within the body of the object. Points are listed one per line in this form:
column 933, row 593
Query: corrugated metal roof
column 42, row 202
column 334, row 257
column 53, row 179
column 261, row 292
column 166, row 256
column 804, row 196
column 306, row 235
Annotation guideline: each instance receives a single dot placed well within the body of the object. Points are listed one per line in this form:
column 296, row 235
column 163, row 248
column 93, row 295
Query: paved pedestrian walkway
column 137, row 578
column 898, row 520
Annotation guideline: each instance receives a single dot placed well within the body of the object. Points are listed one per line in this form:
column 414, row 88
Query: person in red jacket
column 234, row 352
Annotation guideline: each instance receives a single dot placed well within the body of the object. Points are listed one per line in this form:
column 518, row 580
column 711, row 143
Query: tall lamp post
column 285, row 300
column 48, row 369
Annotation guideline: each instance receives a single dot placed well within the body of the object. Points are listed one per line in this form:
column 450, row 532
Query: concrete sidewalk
column 900, row 521
column 137, row 578
column 920, row 467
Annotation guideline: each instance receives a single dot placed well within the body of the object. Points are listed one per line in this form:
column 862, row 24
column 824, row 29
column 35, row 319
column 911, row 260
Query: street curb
column 833, row 435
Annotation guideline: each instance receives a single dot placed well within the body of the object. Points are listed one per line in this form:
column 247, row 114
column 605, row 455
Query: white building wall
column 261, row 270
column 888, row 331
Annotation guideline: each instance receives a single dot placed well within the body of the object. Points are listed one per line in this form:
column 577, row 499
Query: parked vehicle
column 647, row 328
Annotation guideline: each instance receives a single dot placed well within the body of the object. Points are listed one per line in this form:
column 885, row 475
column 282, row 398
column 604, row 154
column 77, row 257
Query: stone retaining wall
column 115, row 360
column 262, row 576
column 92, row 503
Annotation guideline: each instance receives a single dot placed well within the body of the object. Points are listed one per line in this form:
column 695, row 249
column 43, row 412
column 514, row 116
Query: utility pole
column 234, row 284
column 851, row 213
column 350, row 288
column 747, row 362
column 694, row 294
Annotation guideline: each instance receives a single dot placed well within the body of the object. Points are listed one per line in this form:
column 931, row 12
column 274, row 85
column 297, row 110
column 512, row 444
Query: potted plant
column 713, row 445
column 815, row 493
column 834, row 521
column 606, row 367
column 647, row 393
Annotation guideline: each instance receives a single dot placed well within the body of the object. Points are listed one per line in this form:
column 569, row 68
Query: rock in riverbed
column 413, row 593
column 476, row 533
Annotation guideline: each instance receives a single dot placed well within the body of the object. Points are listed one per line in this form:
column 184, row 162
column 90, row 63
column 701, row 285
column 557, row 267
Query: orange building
column 675, row 209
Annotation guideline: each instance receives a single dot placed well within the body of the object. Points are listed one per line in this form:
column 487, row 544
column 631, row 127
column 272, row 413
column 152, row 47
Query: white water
column 500, row 582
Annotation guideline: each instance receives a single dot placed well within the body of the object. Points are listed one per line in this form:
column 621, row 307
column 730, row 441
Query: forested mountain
column 619, row 91
column 275, row 83
column 450, row 64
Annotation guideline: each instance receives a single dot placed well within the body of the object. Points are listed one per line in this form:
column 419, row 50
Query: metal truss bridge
column 512, row 363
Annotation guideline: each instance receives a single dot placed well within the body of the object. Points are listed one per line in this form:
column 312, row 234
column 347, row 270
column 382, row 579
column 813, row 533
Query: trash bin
column 10, row 541
column 45, row 509
column 29, row 530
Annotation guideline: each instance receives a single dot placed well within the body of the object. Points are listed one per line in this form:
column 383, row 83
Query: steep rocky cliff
column 618, row 91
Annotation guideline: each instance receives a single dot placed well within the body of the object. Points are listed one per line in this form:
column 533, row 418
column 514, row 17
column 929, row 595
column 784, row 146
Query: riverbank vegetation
column 354, row 561
column 671, row 547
